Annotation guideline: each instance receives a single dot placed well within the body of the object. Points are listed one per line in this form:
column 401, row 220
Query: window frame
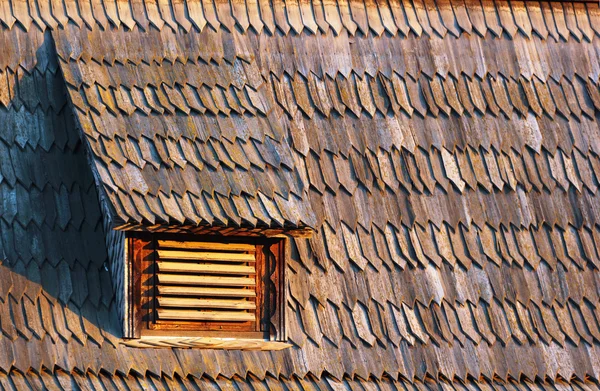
column 141, row 252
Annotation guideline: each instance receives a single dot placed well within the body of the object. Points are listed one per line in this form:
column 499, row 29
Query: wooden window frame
column 270, row 300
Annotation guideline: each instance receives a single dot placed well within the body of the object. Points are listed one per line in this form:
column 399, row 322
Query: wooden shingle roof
column 446, row 154
column 181, row 107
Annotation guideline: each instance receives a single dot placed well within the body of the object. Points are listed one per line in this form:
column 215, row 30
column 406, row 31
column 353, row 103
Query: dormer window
column 203, row 286
column 189, row 288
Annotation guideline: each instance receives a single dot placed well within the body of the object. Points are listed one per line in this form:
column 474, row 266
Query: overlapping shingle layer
column 54, row 288
column 226, row 116
column 560, row 21
column 60, row 380
column 446, row 154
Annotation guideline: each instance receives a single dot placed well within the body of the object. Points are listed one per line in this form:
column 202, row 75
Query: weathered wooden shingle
column 445, row 152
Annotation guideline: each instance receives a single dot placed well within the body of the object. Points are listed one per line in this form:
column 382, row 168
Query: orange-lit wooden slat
column 206, row 256
column 178, row 279
column 205, row 291
column 240, row 247
column 205, row 282
column 208, row 268
column 223, row 316
column 206, row 303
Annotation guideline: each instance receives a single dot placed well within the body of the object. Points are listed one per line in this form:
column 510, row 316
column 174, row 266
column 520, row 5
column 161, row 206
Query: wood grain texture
column 242, row 292
column 205, row 303
column 214, row 246
column 444, row 156
column 204, row 280
column 219, row 316
column 205, row 256
column 204, row 268
column 199, row 291
column 436, row 17
column 206, row 343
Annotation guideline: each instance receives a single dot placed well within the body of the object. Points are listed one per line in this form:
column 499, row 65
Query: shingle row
column 339, row 134
column 32, row 90
column 36, row 131
column 391, row 136
column 343, row 136
column 80, row 319
column 48, row 209
column 424, row 172
column 60, row 380
column 45, row 184
column 159, row 180
column 357, row 94
column 418, row 17
column 506, row 208
column 495, row 323
column 422, row 245
column 430, row 284
column 347, row 135
column 170, row 54
column 365, row 95
column 396, row 169
column 463, row 358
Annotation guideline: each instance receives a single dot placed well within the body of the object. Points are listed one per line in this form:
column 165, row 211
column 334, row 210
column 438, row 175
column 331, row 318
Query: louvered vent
column 204, row 284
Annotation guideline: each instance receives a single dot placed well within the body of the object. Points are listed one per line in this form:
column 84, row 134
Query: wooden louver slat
column 201, row 291
column 223, row 316
column 207, row 268
column 205, row 256
column 184, row 279
column 205, row 303
column 205, row 283
column 241, row 247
